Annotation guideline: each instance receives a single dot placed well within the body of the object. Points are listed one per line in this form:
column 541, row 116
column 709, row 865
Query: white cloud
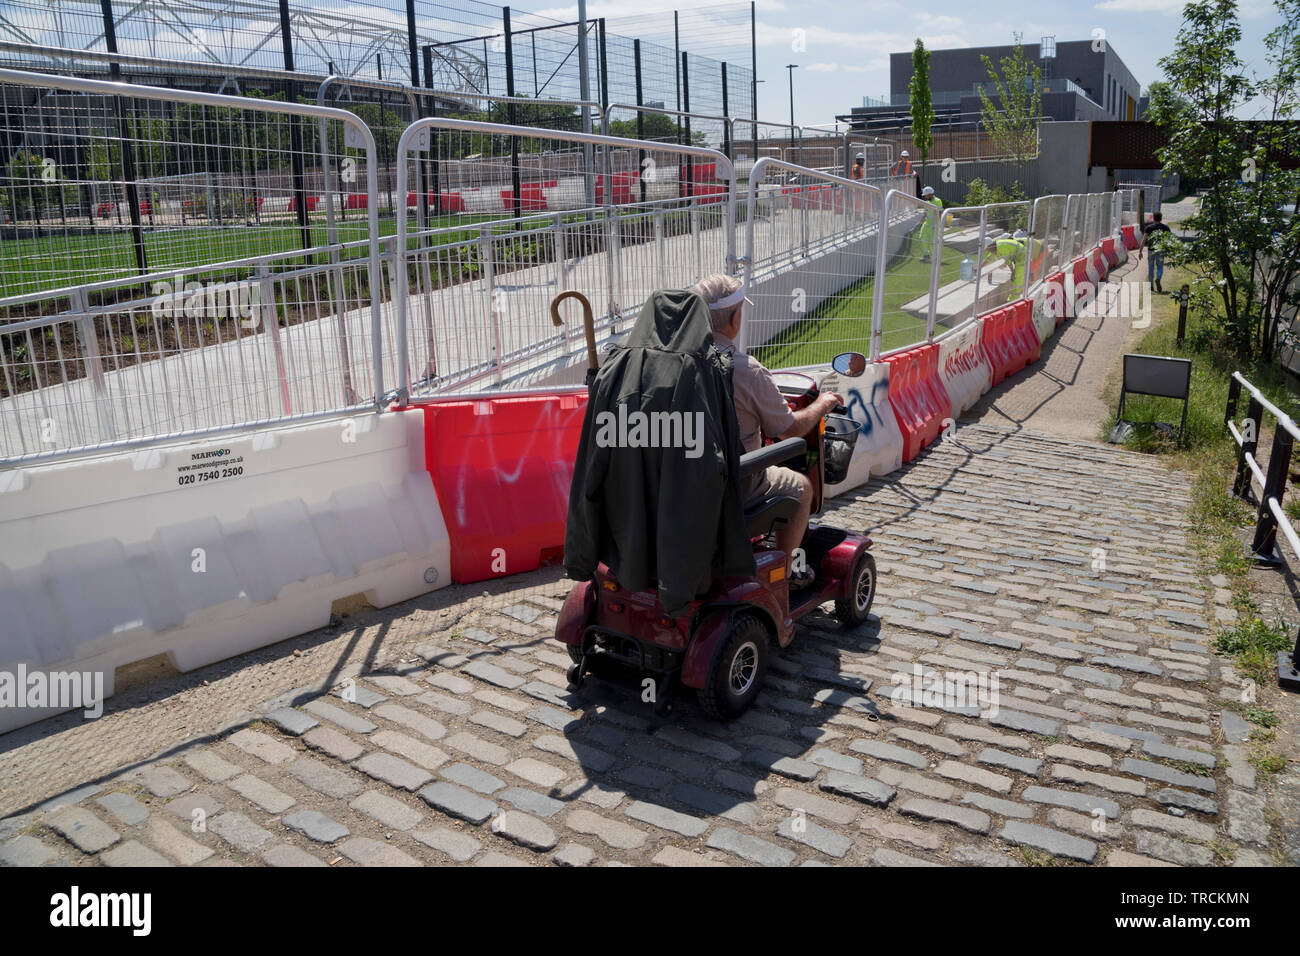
column 823, row 67
column 1140, row 6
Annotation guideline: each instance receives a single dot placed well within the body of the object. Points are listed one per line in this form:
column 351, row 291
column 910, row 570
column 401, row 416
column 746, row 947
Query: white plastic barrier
column 1120, row 248
column 963, row 366
column 1043, row 317
column 879, row 448
column 204, row 550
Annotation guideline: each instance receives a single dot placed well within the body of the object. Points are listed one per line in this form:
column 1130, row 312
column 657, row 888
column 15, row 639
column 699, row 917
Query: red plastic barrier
column 706, row 193
column 312, row 202
column 917, row 397
column 1055, row 302
column 1080, row 269
column 502, row 468
column 621, row 191
column 451, row 202
column 1111, row 253
column 354, row 201
column 530, row 198
column 1131, row 239
column 1010, row 340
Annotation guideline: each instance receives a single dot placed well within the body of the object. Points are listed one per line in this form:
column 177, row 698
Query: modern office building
column 1082, row 80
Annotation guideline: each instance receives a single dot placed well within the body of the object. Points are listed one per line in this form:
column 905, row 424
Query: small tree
column 1012, row 119
column 1244, row 245
column 922, row 107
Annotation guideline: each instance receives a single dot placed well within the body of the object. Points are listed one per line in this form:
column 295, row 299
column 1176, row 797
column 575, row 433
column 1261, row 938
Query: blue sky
column 848, row 42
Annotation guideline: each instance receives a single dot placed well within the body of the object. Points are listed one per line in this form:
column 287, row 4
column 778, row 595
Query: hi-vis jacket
column 660, row 517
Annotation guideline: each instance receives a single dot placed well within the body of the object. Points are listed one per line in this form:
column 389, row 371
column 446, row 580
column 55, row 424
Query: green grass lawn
column 844, row 320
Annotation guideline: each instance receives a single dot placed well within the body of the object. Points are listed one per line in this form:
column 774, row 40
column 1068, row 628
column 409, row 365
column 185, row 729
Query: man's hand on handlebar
column 807, row 418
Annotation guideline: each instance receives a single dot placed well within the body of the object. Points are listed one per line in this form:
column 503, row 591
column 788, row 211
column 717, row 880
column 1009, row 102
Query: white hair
column 715, row 288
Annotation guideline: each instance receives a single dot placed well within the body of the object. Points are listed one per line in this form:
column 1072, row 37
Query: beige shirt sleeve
column 760, row 409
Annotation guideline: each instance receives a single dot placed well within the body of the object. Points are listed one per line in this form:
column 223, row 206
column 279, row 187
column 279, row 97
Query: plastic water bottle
column 967, row 270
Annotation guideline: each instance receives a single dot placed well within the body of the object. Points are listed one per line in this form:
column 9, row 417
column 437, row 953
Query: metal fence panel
column 187, row 318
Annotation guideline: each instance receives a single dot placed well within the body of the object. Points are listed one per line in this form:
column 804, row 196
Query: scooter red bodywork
column 719, row 645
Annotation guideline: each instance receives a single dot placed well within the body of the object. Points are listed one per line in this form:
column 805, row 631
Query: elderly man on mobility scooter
column 762, row 411
column 683, row 553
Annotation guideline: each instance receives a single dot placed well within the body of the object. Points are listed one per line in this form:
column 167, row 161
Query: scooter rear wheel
column 855, row 609
column 737, row 672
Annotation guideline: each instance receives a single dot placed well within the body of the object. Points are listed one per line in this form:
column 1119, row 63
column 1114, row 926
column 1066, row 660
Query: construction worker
column 925, row 236
column 1010, row 250
column 857, row 172
column 903, row 167
column 1034, row 249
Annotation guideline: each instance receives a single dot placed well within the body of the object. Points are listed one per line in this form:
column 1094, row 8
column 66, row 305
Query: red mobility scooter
column 719, row 646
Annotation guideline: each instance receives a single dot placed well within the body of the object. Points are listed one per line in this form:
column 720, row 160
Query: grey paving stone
column 555, row 719
column 1055, row 842
column 1003, row 808
column 1119, row 730
column 404, row 716
column 502, row 725
column 980, row 856
column 1167, row 752
column 316, row 826
column 1175, row 851
column 883, row 751
column 1156, row 771
column 369, row 852
column 83, row 829
column 359, row 694
column 390, row 770
column 240, row 831
column 292, row 722
column 1178, row 826
column 1015, row 720
column 161, row 780
column 260, row 745
column 887, row 857
column 472, row 777
column 715, row 749
column 457, row 802
column 1246, row 820
column 332, row 742
column 211, row 766
column 455, row 845
column 818, row 837
column 916, row 782
column 835, row 761
column 1181, row 798
column 70, row 798
column 665, row 819
column 387, row 810
column 749, row 848
column 590, row 758
column 492, row 674
column 1000, row 758
column 967, row 819
column 1069, row 798
column 573, row 854
column 525, row 830
column 423, row 755
column 258, row 791
column 613, row 832
column 530, row 801
column 337, row 715
column 1234, row 728
column 1091, row 675
column 715, row 804
column 785, row 766
column 133, row 853
column 25, row 850
column 394, row 684
column 195, row 807
column 285, row 855
column 125, row 807
column 323, row 778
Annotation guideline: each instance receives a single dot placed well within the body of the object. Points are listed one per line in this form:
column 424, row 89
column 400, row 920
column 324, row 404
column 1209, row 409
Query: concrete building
column 1082, row 80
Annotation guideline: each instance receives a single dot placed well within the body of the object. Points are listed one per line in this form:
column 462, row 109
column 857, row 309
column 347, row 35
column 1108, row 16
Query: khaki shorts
column 776, row 480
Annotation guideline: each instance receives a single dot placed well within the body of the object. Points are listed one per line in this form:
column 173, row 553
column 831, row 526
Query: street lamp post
column 791, row 67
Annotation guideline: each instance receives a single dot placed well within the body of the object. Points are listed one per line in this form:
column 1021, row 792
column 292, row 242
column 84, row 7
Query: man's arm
column 806, row 418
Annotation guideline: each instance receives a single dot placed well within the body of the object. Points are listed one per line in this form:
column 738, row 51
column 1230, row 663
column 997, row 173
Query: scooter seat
column 762, row 515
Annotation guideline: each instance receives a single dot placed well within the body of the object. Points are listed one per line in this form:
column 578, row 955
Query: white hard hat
column 927, row 191
column 904, row 152
column 1019, row 234
column 859, row 156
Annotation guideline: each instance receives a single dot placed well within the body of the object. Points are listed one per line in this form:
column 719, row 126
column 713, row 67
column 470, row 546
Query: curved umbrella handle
column 588, row 321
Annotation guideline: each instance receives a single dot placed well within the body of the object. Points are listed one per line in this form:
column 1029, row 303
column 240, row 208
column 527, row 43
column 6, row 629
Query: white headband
column 727, row 302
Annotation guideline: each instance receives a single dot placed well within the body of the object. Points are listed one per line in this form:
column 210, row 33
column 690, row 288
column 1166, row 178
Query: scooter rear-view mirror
column 851, row 364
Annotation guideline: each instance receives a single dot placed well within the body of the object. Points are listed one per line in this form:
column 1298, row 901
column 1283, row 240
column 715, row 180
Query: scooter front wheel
column 855, row 607
column 737, row 672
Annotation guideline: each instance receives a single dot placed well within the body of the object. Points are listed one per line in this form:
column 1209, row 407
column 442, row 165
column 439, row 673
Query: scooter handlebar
column 755, row 461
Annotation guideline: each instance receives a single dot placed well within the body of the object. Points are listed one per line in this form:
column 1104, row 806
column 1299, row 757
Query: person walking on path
column 1156, row 262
